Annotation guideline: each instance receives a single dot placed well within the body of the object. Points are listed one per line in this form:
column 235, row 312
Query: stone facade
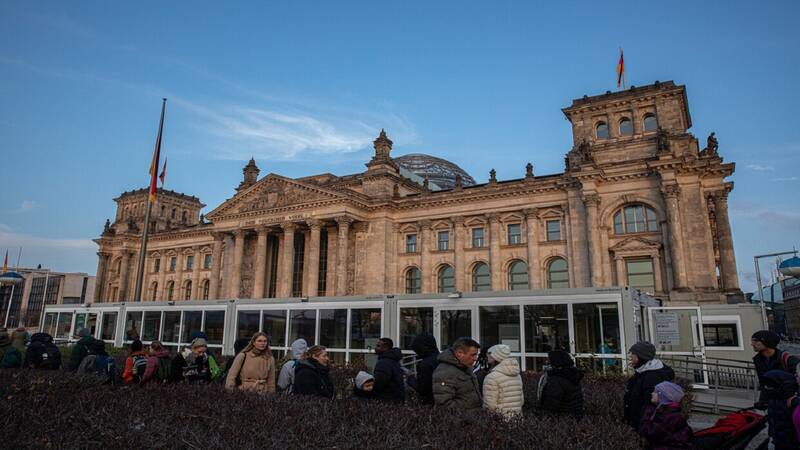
column 639, row 203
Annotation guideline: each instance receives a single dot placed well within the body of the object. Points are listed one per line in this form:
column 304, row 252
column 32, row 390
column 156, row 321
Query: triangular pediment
column 273, row 192
column 635, row 243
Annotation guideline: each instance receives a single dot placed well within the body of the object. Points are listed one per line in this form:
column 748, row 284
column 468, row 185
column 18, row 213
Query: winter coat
column 42, row 353
column 182, row 360
column 562, row 392
column 127, row 372
column 79, row 351
column 389, row 383
column 255, row 372
column 640, row 388
column 454, row 385
column 151, row 372
column 796, row 421
column 764, row 365
column 424, row 345
column 10, row 357
column 502, row 388
column 286, row 377
column 312, row 378
column 196, row 370
column 665, row 428
column 19, row 338
column 780, row 389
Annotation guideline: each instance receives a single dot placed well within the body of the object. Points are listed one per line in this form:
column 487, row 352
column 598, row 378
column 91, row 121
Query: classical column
column 727, row 259
column 671, row 193
column 100, row 278
column 236, row 268
column 330, row 273
column 425, row 242
column 622, row 273
column 227, row 265
column 162, row 276
column 259, row 276
column 180, row 293
column 659, row 283
column 591, row 201
column 216, row 266
column 198, row 262
column 341, row 254
column 311, row 265
column 285, row 286
column 123, row 276
column 459, row 233
column 494, row 252
column 532, row 237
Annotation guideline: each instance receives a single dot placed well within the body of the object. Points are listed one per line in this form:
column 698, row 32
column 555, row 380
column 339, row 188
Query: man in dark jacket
column 454, row 383
column 769, row 357
column 649, row 371
column 42, row 353
column 81, row 349
column 780, row 392
column 389, row 385
column 561, row 386
column 424, row 345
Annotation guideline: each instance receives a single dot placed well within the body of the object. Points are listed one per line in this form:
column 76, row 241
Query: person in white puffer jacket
column 502, row 388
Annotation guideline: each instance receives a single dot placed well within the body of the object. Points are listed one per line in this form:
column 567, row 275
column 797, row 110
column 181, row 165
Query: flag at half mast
column 156, row 156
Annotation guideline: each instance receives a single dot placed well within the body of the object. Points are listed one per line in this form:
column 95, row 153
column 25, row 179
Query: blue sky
column 305, row 86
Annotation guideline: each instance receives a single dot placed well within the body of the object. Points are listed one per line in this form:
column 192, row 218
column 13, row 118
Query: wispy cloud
column 25, row 206
column 784, row 216
column 12, row 239
column 760, row 168
column 69, row 255
column 787, row 179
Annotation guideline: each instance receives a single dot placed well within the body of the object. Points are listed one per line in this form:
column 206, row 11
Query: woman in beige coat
column 253, row 369
column 502, row 387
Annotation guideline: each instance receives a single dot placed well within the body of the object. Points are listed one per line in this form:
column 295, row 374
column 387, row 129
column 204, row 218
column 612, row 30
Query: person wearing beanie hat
column 80, row 350
column 194, row 364
column 286, row 377
column 648, row 372
column 559, row 389
column 10, row 357
column 135, row 364
column 363, row 385
column 663, row 424
column 502, row 387
column 769, row 357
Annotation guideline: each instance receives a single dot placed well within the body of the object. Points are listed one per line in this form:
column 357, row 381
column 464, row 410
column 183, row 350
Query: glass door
column 453, row 323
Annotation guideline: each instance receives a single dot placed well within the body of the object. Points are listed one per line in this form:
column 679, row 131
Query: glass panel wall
column 365, row 328
column 596, row 328
column 414, row 321
column 500, row 325
column 64, row 325
column 546, row 328
column 247, row 324
column 455, row 323
column 275, row 327
column 133, row 324
column 214, row 326
column 49, row 326
column 152, row 323
column 109, row 326
column 171, row 327
column 333, row 328
column 192, row 322
column 303, row 324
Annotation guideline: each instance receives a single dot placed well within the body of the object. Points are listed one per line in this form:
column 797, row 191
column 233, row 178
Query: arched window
column 601, row 130
column 170, row 290
column 447, row 279
column 173, row 214
column 183, row 217
column 481, row 278
column 517, row 276
column 625, row 126
column 635, row 219
column 650, row 122
column 154, row 290
column 413, row 281
column 557, row 274
column 206, row 284
column 187, row 294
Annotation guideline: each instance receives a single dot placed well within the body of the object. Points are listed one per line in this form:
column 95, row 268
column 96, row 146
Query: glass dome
column 441, row 173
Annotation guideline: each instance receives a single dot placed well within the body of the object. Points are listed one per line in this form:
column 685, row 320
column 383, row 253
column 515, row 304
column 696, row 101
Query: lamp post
column 758, row 281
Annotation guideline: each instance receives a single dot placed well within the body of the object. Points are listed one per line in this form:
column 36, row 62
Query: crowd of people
column 449, row 378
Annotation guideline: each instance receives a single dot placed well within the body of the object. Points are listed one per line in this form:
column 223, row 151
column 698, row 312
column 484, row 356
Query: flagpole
column 137, row 293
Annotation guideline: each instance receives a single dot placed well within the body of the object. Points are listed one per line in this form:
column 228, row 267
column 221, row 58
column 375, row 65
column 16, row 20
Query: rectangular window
column 641, row 274
column 207, row 261
column 721, row 334
column 173, row 263
column 65, row 322
column 133, row 324
column 546, row 328
column 411, row 243
column 303, row 325
column 152, row 323
column 109, row 327
column 553, row 230
column 247, row 324
column 514, row 234
column 500, row 325
column 414, row 321
column 477, row 237
column 365, row 328
column 190, row 262
column 171, row 326
column 275, row 327
column 214, row 325
column 597, row 328
column 35, row 301
column 192, row 321
column 333, row 328
column 50, row 320
column 156, row 264
column 297, row 264
column 444, row 240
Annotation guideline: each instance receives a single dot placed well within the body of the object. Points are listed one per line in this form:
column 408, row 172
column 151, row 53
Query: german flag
column 620, row 68
column 5, row 263
column 156, row 156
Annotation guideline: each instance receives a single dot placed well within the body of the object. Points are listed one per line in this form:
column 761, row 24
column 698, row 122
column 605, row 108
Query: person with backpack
column 253, row 367
column 286, row 377
column 648, row 372
column 312, row 374
column 780, row 392
column 10, row 357
column 42, row 354
column 135, row 364
column 80, row 350
column 99, row 362
column 769, row 357
column 502, row 386
column 559, row 387
column 238, row 346
column 427, row 352
column 159, row 364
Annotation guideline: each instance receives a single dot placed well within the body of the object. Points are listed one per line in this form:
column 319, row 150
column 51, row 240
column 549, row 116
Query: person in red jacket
column 135, row 364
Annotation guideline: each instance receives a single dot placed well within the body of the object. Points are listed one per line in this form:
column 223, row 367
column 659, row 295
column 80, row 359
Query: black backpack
column 139, row 367
column 42, row 353
column 164, row 371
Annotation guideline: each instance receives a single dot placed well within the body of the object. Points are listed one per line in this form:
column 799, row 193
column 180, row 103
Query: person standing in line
column 80, row 350
column 769, row 357
column 502, row 387
column 10, row 357
column 389, row 382
column 454, row 383
column 424, row 345
column 649, row 371
column 254, row 367
column 312, row 374
column 560, row 386
column 135, row 364
column 286, row 377
column 159, row 364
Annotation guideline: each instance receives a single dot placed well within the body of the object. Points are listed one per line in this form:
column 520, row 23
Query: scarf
column 653, row 364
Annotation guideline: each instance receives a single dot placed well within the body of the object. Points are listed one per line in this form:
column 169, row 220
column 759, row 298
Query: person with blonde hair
column 254, row 367
column 312, row 374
